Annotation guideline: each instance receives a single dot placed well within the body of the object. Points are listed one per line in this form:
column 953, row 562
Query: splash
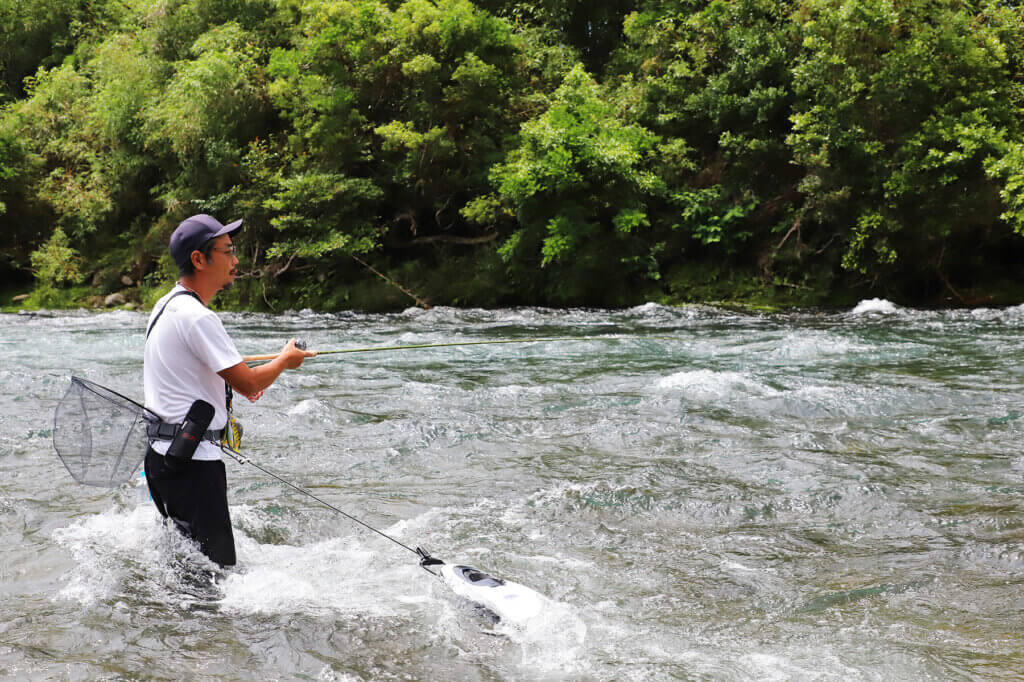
column 874, row 306
column 130, row 554
column 710, row 385
column 336, row 576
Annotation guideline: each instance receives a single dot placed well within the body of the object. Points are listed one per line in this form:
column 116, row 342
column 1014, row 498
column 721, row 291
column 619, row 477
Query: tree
column 394, row 118
column 578, row 184
column 713, row 80
column 899, row 106
column 592, row 29
column 55, row 262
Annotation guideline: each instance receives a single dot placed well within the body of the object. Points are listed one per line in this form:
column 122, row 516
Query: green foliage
column 80, row 135
column 1010, row 168
column 212, row 100
column 578, row 183
column 709, row 282
column 592, row 29
column 425, row 89
column 321, row 204
column 713, row 80
column 712, row 219
column 126, row 80
column 50, row 298
column 42, row 33
column 899, row 108
column 69, row 166
column 174, row 26
column 9, row 153
column 55, row 263
column 549, row 151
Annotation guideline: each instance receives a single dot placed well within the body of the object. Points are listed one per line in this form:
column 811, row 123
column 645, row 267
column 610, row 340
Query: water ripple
column 701, row 493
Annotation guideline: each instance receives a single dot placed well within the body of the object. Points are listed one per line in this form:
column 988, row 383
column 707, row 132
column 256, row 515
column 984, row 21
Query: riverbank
column 468, row 283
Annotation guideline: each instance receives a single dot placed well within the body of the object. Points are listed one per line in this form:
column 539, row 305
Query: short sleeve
column 212, row 345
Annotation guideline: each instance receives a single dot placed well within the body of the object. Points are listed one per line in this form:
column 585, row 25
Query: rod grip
column 258, row 358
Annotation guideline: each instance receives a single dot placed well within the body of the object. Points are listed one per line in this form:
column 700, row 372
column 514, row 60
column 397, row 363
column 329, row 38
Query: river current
column 702, row 494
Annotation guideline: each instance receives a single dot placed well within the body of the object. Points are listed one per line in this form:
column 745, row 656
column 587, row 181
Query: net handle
column 98, row 390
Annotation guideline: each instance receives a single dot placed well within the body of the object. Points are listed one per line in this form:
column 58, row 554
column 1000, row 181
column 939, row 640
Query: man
column 190, row 357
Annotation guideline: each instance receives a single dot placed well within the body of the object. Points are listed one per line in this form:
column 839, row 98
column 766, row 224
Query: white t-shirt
column 184, row 352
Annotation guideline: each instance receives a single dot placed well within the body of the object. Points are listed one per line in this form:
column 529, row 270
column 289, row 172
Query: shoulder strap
column 228, row 393
column 183, row 292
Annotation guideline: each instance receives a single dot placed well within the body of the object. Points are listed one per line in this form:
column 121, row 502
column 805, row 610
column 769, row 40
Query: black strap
column 163, row 430
column 229, row 396
column 228, row 393
column 166, row 431
column 183, row 292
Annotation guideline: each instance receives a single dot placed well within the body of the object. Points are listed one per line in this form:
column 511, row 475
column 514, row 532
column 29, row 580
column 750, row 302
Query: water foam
column 813, row 345
column 113, row 548
column 706, row 384
column 874, row 305
column 336, row 575
column 309, row 406
column 552, row 641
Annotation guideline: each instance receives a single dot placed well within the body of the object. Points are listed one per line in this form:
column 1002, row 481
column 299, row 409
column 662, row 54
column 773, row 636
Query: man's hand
column 252, row 381
column 292, row 356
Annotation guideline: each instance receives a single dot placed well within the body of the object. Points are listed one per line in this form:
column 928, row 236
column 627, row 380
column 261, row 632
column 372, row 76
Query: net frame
column 99, row 434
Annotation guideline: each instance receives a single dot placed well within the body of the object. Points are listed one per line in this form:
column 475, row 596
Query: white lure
column 508, row 601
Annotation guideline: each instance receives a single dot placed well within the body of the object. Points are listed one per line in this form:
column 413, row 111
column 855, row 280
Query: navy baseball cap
column 193, row 232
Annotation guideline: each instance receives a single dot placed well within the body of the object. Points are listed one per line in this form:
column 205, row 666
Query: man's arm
column 252, row 380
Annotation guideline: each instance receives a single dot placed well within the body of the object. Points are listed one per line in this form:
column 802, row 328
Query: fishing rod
column 374, row 349
column 501, row 599
column 497, row 598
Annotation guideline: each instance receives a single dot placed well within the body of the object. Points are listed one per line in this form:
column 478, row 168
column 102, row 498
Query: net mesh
column 99, row 434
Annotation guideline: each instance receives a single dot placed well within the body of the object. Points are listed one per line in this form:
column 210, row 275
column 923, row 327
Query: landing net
column 99, row 434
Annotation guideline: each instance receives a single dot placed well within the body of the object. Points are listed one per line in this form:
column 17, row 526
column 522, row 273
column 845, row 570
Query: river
column 699, row 493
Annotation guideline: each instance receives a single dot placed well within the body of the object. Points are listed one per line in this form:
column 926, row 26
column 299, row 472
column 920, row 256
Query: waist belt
column 165, row 431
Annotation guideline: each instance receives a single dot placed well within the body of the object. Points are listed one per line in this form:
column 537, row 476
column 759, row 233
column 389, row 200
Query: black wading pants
column 196, row 499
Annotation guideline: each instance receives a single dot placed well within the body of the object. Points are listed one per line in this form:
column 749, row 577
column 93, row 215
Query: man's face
column 220, row 266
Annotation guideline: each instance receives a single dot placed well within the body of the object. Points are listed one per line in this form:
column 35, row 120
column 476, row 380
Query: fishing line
column 497, row 598
column 242, row 459
column 101, row 437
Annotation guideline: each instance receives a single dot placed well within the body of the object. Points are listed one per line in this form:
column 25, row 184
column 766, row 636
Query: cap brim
column 228, row 229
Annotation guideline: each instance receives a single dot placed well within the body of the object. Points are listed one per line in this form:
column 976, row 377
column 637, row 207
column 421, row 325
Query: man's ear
column 197, row 259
